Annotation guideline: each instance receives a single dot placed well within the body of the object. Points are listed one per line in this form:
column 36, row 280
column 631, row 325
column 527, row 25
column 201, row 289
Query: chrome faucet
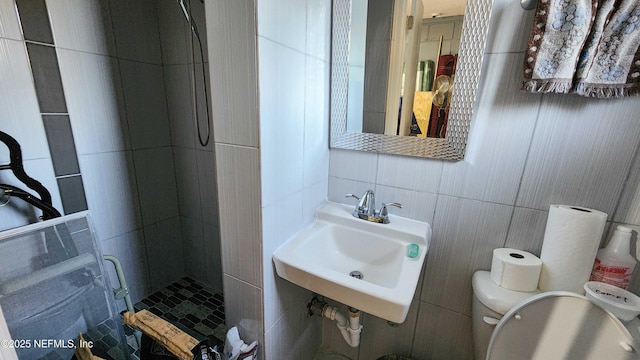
column 366, row 208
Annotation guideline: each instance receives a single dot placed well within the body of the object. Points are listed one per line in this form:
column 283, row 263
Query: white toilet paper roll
column 515, row 269
column 571, row 240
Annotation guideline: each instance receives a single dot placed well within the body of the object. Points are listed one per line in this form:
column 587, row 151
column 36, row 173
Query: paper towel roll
column 515, row 269
column 571, row 240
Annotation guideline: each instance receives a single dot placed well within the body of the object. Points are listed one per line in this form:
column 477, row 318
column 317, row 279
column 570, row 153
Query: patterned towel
column 587, row 47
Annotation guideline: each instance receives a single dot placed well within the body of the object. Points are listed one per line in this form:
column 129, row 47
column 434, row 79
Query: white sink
column 322, row 257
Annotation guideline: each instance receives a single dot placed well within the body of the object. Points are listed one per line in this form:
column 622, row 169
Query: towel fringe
column 582, row 89
column 546, row 86
column 588, row 90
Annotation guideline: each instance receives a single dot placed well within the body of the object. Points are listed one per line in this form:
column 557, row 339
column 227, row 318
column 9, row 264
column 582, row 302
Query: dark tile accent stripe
column 35, row 21
column 72, row 194
column 61, row 144
column 36, row 28
column 46, row 76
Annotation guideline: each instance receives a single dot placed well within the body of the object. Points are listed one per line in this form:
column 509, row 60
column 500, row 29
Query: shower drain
column 356, row 274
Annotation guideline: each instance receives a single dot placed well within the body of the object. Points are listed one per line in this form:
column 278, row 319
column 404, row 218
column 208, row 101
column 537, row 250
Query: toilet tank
column 490, row 303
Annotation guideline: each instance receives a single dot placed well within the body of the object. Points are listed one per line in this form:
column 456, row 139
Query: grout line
column 524, row 168
column 68, row 176
column 40, row 43
column 143, row 237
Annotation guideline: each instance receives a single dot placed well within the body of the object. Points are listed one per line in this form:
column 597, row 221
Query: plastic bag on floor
column 236, row 349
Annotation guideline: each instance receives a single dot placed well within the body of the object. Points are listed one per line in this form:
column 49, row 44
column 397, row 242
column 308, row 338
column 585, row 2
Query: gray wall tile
column 353, row 165
column 499, row 141
column 379, row 338
column 243, row 308
column 282, row 111
column 415, row 205
column 163, row 243
column 232, row 47
column 187, row 173
column 465, row 232
column 442, row 334
column 83, row 25
column 112, row 193
column 144, row 96
column 283, row 21
column 526, row 231
column 61, row 144
column 93, row 90
column 509, row 15
column 193, row 248
column 9, row 25
column 35, row 20
column 46, row 75
column 280, row 337
column 155, row 176
column 20, row 116
column 72, row 194
column 207, row 183
column 338, row 187
column 409, row 173
column 280, row 221
column 213, row 258
column 628, row 208
column 577, row 157
column 238, row 170
column 130, row 249
column 136, row 31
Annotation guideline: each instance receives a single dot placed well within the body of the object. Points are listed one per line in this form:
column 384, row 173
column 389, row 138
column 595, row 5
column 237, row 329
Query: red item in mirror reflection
column 440, row 116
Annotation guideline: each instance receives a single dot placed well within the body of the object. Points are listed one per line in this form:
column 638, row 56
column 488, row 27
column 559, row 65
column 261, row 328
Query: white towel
column 585, row 47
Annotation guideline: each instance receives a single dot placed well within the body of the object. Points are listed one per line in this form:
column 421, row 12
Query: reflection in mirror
column 389, row 41
column 401, row 67
column 439, row 45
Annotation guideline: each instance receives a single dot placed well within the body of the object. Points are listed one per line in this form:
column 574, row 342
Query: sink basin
column 362, row 264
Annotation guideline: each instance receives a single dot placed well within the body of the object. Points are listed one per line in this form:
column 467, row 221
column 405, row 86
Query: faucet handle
column 351, row 195
column 398, row 205
column 384, row 213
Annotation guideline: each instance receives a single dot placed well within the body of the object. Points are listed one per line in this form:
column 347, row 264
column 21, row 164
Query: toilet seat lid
column 560, row 325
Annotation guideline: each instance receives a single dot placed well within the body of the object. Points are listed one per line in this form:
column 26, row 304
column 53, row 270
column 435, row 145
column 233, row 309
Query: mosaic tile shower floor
column 105, row 344
column 191, row 306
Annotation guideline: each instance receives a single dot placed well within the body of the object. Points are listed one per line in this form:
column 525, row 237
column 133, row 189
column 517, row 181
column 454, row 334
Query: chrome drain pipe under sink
column 350, row 329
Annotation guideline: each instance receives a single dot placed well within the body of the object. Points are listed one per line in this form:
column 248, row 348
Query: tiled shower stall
column 98, row 95
column 112, row 90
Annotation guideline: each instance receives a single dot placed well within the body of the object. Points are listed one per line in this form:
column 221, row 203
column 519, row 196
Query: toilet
column 490, row 303
column 511, row 325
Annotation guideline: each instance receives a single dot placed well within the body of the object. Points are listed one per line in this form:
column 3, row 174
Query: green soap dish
column 412, row 251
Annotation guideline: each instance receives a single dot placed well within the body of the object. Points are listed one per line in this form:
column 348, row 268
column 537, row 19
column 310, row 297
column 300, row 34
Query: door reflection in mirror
column 392, row 50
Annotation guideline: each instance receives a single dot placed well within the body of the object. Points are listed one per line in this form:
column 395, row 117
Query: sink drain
column 356, row 274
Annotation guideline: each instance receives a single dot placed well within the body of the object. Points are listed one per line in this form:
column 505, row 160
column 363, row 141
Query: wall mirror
column 404, row 75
